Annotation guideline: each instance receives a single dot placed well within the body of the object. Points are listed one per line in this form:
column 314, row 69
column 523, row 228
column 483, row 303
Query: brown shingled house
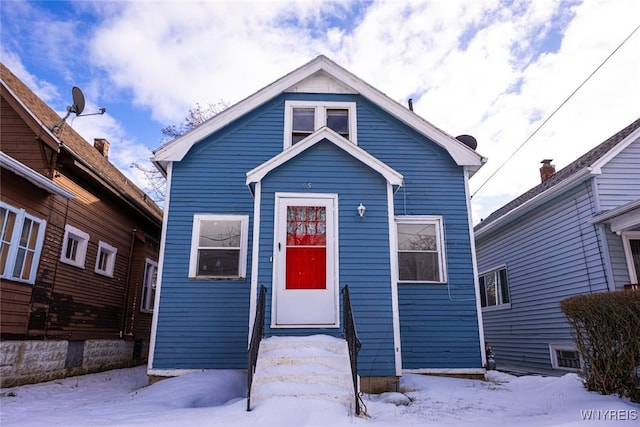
column 78, row 250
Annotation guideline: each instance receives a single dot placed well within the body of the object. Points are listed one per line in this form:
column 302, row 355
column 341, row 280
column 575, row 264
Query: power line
column 556, row 110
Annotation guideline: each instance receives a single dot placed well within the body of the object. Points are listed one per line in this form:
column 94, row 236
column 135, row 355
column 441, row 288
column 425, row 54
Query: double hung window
column 494, row 288
column 149, row 285
column 21, row 239
column 303, row 118
column 420, row 249
column 219, row 246
column 74, row 246
column 106, row 259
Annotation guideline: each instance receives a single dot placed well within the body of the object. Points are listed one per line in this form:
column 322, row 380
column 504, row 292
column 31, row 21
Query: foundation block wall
column 28, row 362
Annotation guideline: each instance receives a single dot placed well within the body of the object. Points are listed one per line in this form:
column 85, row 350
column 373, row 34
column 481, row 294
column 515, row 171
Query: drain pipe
column 127, row 287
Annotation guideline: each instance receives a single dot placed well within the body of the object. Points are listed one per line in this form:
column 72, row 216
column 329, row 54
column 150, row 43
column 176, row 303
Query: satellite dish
column 468, row 140
column 77, row 107
column 78, row 101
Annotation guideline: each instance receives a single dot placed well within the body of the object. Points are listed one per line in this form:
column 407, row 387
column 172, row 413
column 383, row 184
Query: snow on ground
column 122, row 398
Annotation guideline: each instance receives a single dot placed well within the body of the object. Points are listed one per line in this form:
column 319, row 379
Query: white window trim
column 554, row 357
column 83, row 242
column 21, row 215
column 147, row 303
column 496, row 307
column 634, row 276
column 111, row 259
column 440, row 246
column 320, row 108
column 244, row 242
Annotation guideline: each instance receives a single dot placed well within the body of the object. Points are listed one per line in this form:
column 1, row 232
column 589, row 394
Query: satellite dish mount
column 77, row 108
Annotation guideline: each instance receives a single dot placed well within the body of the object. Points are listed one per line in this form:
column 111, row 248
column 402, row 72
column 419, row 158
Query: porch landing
column 310, row 367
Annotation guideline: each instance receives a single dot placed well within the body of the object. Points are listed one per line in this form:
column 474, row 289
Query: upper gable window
column 302, row 118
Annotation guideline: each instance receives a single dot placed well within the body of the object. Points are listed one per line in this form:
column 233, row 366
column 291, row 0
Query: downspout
column 125, row 298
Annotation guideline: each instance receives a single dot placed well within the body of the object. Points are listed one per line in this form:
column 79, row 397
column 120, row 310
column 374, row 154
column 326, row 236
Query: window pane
column 220, row 234
column 304, row 119
column 483, row 296
column 504, row 287
column 417, row 237
column 418, row 266
column 490, row 286
column 8, row 222
column 338, row 120
column 635, row 255
column 72, row 249
column 218, row 262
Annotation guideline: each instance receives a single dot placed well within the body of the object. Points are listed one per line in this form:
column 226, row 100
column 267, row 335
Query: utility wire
column 556, row 110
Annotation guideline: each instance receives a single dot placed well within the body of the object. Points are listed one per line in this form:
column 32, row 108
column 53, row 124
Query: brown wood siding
column 20, row 142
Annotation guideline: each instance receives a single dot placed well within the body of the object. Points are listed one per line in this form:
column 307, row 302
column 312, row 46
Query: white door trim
column 278, row 282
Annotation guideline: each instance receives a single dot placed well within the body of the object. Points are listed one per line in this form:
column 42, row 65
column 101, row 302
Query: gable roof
column 179, row 147
column 587, row 165
column 325, row 133
column 41, row 118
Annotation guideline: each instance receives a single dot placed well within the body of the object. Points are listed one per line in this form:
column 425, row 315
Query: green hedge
column 606, row 329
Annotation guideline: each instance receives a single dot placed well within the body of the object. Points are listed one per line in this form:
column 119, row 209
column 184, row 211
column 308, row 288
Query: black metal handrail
column 256, row 336
column 353, row 342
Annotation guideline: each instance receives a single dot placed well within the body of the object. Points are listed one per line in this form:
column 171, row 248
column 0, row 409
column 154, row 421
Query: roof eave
column 20, row 169
column 178, row 148
column 539, row 199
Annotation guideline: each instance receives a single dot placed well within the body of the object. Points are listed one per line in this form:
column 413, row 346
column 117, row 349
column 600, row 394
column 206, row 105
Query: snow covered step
column 314, row 367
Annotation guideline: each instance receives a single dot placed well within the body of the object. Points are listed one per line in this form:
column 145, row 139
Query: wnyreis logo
column 609, row 414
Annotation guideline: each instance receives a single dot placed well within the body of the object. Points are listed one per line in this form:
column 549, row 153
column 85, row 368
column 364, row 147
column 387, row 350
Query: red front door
column 305, row 253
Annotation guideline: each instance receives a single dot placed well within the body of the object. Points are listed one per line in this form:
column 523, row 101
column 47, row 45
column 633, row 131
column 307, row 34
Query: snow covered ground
column 122, row 398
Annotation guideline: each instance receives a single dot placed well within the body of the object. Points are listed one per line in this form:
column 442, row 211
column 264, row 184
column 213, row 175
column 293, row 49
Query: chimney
column 547, row 169
column 102, row 145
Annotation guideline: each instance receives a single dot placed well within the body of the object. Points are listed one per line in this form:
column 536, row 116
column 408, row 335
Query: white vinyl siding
column 21, row 239
column 219, row 246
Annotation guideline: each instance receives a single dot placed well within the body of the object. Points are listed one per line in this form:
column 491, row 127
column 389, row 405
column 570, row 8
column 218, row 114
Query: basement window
column 565, row 357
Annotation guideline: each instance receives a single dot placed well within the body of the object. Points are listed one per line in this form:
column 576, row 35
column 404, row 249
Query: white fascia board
column 20, row 169
column 539, row 199
column 256, row 174
column 178, row 148
column 620, row 210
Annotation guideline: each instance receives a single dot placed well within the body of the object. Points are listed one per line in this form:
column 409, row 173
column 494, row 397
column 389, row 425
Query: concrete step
column 313, row 367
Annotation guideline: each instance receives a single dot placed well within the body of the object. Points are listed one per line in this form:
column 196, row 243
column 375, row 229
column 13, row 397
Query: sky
column 217, row 398
column 495, row 69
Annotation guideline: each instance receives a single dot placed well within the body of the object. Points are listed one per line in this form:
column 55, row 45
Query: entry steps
column 310, row 367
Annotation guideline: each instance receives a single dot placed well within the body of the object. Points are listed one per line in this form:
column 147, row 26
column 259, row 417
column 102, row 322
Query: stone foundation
column 27, row 362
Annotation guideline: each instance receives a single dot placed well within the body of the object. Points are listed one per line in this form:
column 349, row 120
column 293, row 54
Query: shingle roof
column 79, row 148
column 586, row 160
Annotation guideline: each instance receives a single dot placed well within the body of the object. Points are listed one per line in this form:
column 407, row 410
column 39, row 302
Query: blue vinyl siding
column 619, row 182
column 552, row 253
column 363, row 243
column 203, row 324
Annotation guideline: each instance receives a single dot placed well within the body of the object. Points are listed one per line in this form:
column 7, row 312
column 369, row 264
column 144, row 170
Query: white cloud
column 476, row 67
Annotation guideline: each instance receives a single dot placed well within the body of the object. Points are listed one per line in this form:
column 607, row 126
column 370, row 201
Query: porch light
column 361, row 209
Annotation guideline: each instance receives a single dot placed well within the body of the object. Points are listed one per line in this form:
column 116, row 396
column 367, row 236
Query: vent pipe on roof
column 547, row 170
column 411, row 104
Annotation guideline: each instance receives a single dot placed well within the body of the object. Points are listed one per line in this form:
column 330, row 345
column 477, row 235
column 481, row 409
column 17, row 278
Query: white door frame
column 282, row 298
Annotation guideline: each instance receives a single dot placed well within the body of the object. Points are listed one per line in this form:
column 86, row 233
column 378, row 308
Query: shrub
column 606, row 329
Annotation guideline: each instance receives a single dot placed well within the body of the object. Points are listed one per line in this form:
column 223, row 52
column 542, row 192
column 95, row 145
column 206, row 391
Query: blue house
column 577, row 232
column 315, row 182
